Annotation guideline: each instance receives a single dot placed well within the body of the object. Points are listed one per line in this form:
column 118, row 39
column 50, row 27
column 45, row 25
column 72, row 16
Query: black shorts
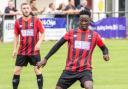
column 68, row 78
column 23, row 60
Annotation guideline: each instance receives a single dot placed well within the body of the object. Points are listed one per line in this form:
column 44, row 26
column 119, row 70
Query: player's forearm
column 41, row 39
column 104, row 50
column 55, row 48
column 15, row 43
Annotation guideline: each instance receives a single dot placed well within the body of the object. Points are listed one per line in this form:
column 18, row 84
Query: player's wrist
column 14, row 50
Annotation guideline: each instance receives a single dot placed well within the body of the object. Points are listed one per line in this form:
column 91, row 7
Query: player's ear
column 89, row 20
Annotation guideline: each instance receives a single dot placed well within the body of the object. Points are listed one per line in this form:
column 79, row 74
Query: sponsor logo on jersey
column 27, row 32
column 82, row 45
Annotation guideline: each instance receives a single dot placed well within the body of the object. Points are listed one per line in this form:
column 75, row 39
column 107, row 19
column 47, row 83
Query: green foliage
column 106, row 75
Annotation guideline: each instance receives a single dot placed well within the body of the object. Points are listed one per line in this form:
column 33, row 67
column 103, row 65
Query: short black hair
column 85, row 12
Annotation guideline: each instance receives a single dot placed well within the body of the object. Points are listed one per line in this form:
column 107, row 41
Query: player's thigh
column 86, row 78
column 66, row 80
column 17, row 70
column 34, row 59
column 88, row 85
column 21, row 60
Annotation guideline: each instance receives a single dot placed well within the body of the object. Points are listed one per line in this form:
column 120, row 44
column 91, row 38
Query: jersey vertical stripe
column 68, row 57
column 90, row 53
column 30, row 37
column 70, row 53
column 83, row 51
column 21, row 38
column 73, row 52
column 30, row 27
column 33, row 36
column 79, row 52
column 85, row 55
column 26, row 43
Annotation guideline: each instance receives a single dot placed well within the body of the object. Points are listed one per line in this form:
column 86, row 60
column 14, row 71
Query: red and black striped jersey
column 80, row 47
column 29, row 34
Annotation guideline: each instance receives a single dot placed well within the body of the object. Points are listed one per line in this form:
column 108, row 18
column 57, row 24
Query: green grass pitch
column 106, row 75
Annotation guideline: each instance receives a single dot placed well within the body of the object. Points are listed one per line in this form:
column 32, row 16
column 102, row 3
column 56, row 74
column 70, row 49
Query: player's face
column 84, row 22
column 26, row 10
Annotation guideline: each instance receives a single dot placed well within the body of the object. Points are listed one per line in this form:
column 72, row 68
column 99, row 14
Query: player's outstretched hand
column 41, row 63
column 106, row 57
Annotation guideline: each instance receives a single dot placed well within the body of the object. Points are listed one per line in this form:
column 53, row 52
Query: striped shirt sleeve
column 16, row 28
column 40, row 26
column 99, row 40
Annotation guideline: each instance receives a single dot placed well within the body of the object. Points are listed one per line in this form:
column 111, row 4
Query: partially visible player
column 81, row 43
column 28, row 28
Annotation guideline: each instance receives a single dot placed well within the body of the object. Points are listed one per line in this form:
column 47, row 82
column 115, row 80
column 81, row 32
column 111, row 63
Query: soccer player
column 81, row 43
column 28, row 28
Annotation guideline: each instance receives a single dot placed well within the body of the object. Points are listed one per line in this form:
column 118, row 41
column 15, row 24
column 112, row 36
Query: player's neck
column 26, row 18
column 83, row 29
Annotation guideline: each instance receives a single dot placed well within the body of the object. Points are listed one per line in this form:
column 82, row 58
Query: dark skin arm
column 51, row 52
column 105, row 53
